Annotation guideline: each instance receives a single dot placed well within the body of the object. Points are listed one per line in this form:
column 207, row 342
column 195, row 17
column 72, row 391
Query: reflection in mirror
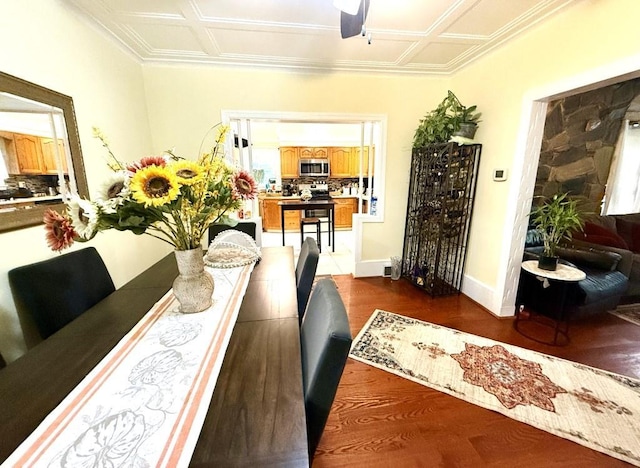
column 40, row 159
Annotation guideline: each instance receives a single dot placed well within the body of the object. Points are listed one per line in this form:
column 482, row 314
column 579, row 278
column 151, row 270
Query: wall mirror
column 40, row 157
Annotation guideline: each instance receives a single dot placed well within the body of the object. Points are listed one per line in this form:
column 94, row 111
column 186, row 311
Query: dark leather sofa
column 607, row 280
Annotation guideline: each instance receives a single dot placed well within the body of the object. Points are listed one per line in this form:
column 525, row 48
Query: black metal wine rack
column 441, row 193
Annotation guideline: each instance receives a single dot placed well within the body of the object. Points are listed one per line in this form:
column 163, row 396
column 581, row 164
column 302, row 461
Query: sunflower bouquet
column 167, row 197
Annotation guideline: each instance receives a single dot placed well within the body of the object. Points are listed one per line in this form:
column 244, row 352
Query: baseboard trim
column 471, row 287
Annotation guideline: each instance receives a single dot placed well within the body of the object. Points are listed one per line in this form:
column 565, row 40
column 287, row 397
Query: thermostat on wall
column 499, row 175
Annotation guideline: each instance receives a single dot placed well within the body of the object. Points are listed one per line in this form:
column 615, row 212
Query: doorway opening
column 271, row 146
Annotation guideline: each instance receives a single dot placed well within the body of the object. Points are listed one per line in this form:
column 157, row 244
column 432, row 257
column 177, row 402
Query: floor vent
column 387, row 272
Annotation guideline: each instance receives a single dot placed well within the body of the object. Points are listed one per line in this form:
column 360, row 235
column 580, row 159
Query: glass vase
column 193, row 288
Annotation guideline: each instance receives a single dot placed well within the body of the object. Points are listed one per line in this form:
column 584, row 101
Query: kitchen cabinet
column 289, row 162
column 344, row 209
column 340, row 161
column 344, row 160
column 442, row 189
column 49, row 158
column 312, row 152
column 270, row 213
column 355, row 164
column 9, row 154
column 29, row 153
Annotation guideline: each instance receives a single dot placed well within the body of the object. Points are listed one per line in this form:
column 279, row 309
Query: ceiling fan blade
column 351, row 25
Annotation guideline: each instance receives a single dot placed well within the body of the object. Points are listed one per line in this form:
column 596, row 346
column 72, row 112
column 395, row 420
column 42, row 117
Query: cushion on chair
column 56, row 291
column 597, row 234
column 325, row 342
column 306, row 272
column 596, row 259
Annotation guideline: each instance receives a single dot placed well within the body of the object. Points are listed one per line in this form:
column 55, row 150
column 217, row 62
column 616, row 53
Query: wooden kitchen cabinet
column 355, row 168
column 49, row 160
column 344, row 209
column 9, row 154
column 289, row 162
column 270, row 212
column 340, row 161
column 313, row 152
column 29, row 153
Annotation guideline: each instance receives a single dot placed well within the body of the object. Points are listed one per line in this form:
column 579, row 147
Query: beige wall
column 43, row 42
column 185, row 101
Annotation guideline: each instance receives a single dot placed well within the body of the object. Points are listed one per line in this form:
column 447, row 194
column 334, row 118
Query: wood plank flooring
column 381, row 420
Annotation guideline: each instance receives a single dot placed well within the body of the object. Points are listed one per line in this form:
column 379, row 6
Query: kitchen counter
column 28, row 202
column 297, row 197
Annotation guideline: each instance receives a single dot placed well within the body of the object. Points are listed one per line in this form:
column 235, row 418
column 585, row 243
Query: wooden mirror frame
column 18, row 219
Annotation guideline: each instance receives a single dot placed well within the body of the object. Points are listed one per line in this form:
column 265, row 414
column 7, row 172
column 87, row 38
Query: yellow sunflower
column 187, row 172
column 154, row 186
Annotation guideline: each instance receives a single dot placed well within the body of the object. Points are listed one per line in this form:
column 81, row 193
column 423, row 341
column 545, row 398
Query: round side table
column 563, row 275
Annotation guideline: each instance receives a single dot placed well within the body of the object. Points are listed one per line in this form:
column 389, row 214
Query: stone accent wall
column 580, row 135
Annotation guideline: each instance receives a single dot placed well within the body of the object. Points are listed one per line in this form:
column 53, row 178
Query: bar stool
column 310, row 221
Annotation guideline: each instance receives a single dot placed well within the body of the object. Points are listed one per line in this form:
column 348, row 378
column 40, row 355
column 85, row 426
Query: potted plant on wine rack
column 449, row 118
column 555, row 219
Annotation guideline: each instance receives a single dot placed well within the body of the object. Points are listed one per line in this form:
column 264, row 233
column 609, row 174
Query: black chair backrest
column 306, row 272
column 325, row 342
column 56, row 291
column 247, row 227
column 3, row 364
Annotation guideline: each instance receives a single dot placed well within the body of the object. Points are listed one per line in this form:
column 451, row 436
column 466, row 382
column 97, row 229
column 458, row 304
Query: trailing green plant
column 441, row 123
column 556, row 219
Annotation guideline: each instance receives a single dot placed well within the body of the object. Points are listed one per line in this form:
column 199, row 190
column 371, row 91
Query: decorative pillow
column 600, row 235
column 630, row 232
column 590, row 258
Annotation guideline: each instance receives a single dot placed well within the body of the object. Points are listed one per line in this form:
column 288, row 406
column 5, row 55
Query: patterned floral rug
column 628, row 312
column 592, row 407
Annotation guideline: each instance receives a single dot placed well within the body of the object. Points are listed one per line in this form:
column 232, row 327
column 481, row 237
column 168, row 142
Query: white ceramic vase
column 193, row 288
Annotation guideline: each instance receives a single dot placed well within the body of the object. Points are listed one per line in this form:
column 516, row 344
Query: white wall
column 43, row 42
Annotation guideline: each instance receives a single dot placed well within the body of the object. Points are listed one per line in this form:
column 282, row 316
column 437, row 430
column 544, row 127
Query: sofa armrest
column 626, row 256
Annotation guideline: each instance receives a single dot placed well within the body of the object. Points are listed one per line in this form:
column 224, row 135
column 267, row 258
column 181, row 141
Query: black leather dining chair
column 306, row 272
column 248, row 227
column 325, row 342
column 56, row 291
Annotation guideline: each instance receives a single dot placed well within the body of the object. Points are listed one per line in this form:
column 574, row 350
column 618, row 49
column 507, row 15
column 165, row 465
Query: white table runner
column 144, row 404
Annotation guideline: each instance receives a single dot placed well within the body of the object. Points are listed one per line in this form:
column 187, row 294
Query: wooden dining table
column 256, row 416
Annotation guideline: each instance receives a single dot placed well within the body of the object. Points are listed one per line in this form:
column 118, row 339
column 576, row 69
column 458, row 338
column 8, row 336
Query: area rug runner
column 628, row 312
column 144, row 404
column 592, row 407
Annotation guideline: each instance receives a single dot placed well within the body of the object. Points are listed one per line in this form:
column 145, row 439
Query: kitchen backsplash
column 334, row 185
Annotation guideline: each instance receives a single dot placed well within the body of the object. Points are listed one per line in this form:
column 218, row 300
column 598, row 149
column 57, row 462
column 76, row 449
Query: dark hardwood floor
column 381, row 420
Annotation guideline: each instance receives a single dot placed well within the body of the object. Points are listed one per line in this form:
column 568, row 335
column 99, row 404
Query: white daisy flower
column 84, row 215
column 113, row 191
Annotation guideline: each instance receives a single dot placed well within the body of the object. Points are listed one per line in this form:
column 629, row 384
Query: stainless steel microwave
column 314, row 168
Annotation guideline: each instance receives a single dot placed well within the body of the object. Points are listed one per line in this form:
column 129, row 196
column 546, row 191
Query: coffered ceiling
column 407, row 36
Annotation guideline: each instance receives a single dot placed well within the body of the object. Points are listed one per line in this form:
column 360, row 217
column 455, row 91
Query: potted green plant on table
column 555, row 219
column 449, row 118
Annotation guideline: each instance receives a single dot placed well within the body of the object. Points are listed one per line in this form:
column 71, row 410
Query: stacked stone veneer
column 580, row 136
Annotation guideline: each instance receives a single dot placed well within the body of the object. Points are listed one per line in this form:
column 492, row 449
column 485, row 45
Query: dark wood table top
column 256, row 416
